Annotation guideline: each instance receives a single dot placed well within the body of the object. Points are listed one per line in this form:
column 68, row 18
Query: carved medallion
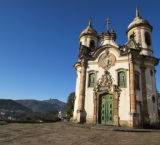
column 107, row 60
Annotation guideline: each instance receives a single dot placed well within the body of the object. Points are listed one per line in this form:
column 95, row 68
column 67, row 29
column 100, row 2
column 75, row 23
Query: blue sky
column 39, row 41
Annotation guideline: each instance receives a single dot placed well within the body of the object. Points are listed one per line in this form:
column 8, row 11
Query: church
column 116, row 84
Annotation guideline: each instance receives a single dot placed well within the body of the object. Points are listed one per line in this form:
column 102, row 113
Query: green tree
column 70, row 104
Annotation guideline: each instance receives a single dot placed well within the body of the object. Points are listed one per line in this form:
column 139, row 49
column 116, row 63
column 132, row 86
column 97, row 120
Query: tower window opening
column 151, row 72
column 92, row 44
column 147, row 38
column 153, row 99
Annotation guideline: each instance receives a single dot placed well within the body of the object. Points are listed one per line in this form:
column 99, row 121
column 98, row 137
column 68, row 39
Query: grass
column 3, row 123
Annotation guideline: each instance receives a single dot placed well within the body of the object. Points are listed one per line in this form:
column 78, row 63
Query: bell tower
column 142, row 30
column 89, row 36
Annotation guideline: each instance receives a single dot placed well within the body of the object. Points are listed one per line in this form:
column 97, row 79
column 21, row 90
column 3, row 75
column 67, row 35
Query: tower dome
column 89, row 37
column 89, row 30
column 138, row 21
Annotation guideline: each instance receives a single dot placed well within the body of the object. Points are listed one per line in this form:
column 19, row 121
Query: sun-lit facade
column 115, row 83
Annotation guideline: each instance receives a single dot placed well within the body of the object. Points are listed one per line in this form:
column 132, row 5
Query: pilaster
column 145, row 118
column 95, row 108
column 81, row 102
column 132, row 91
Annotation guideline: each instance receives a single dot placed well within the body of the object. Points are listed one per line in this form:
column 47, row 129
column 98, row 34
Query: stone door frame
column 115, row 107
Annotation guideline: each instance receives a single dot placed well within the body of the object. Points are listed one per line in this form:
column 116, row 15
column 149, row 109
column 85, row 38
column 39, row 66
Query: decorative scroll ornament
column 132, row 44
column 118, row 90
column 104, row 83
column 107, row 60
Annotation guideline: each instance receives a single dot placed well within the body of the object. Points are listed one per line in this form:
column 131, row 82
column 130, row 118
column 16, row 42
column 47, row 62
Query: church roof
column 138, row 21
column 89, row 30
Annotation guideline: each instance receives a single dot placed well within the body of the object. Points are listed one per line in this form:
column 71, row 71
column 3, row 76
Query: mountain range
column 43, row 106
column 33, row 105
column 10, row 105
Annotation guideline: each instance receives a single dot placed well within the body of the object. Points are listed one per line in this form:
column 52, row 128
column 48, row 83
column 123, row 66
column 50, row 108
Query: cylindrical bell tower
column 89, row 36
column 142, row 30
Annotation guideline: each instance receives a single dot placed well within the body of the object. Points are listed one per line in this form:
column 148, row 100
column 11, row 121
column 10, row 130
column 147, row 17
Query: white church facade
column 116, row 84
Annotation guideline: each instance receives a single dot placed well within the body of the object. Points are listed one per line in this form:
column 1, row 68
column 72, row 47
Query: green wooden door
column 106, row 109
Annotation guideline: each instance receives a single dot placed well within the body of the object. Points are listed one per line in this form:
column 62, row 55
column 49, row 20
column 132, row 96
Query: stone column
column 116, row 107
column 145, row 116
column 80, row 111
column 132, row 88
column 132, row 92
column 95, row 108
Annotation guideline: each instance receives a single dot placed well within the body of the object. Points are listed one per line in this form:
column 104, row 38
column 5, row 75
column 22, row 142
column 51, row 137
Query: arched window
column 92, row 44
column 147, row 38
column 121, row 79
column 151, row 72
column 137, row 86
column 153, row 99
column 91, row 80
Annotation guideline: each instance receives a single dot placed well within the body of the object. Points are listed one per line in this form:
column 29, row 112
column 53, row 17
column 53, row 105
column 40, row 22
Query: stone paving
column 68, row 134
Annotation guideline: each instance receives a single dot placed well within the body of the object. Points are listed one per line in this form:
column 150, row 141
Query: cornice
column 77, row 65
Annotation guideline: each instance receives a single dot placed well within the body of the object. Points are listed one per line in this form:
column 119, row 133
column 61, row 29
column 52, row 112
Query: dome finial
column 137, row 12
column 90, row 21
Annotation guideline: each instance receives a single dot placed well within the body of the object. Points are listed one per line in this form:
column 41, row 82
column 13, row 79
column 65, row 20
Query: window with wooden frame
column 91, row 81
column 122, row 79
column 137, row 84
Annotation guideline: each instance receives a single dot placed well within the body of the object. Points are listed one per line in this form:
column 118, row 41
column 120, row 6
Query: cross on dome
column 90, row 21
column 107, row 22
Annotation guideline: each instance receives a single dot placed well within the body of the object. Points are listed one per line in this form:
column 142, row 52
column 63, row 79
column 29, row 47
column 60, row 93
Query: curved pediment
column 101, row 49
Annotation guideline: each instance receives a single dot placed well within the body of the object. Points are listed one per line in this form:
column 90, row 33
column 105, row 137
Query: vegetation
column 14, row 111
column 70, row 104
column 3, row 123
column 13, row 114
column 48, row 116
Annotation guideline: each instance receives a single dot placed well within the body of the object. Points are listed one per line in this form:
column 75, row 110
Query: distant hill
column 11, row 105
column 44, row 106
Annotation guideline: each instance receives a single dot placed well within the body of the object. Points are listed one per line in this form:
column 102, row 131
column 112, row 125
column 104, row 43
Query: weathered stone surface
column 63, row 134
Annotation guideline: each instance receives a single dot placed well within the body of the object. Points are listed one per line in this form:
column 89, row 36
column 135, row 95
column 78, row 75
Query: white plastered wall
column 77, row 94
column 124, row 100
column 144, row 45
column 85, row 40
column 151, row 90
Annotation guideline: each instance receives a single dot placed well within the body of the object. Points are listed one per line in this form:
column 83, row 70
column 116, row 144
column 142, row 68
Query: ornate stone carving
column 84, row 51
column 104, row 83
column 123, row 50
column 107, row 60
column 132, row 44
column 118, row 90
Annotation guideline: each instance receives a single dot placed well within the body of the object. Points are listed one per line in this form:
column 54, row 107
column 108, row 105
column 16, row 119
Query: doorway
column 106, row 109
